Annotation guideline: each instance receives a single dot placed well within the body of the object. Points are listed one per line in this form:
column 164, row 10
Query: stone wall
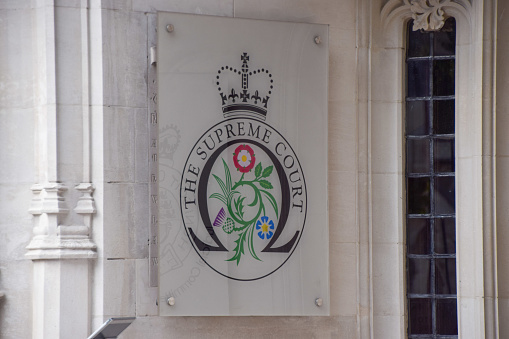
column 75, row 102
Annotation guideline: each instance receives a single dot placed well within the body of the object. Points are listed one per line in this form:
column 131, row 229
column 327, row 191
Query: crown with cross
column 235, row 100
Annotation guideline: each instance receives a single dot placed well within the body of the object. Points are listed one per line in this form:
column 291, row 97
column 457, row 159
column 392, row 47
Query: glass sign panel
column 242, row 184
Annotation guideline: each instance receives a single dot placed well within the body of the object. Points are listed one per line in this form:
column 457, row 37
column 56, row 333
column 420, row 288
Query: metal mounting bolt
column 318, row 40
column 171, row 301
column 170, row 28
column 319, row 302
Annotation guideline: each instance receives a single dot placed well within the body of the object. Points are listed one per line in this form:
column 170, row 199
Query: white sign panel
column 242, row 166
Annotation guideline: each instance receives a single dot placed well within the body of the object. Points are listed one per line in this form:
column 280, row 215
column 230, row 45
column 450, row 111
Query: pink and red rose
column 244, row 158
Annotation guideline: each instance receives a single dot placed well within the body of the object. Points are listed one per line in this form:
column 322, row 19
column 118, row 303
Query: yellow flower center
column 265, row 228
column 244, row 158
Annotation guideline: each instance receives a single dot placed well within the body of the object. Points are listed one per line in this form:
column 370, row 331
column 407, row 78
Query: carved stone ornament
column 428, row 14
column 52, row 240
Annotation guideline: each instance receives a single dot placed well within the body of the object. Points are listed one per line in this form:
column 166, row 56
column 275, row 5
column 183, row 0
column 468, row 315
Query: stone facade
column 75, row 104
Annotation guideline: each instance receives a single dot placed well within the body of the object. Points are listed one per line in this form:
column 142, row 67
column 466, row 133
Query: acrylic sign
column 242, row 167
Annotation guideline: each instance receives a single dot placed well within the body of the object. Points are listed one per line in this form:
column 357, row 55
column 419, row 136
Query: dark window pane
column 445, row 39
column 445, row 236
column 418, row 160
column 420, row 316
column 443, row 117
column 444, row 195
column 443, row 155
column 417, row 117
column 447, row 319
column 418, row 195
column 419, row 276
column 443, row 77
column 418, row 78
column 418, row 43
column 445, row 276
column 418, row 236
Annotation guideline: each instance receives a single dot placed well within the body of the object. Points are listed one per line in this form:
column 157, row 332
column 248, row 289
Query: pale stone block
column 389, row 326
column 386, row 74
column 468, row 133
column 342, row 137
column 502, row 138
column 15, row 4
column 342, row 65
column 119, row 288
column 469, row 230
column 126, row 227
column 70, row 149
column 387, row 142
column 502, row 235
column 388, row 280
column 16, row 227
column 17, row 138
column 142, row 140
column 125, row 5
column 70, row 3
column 503, row 313
column 139, row 235
column 385, row 34
column 362, row 139
column 471, row 318
column 363, row 208
column 69, row 54
column 16, row 305
column 364, row 280
column 387, row 210
column 125, row 55
column 16, row 65
column 209, row 7
column 343, row 226
column 242, row 327
column 146, row 296
column 120, row 136
column 344, row 282
column 343, row 119
column 341, row 14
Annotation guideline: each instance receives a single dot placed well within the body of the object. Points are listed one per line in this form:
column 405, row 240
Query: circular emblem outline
column 281, row 172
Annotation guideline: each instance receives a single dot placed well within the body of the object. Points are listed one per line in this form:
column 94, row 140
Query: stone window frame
column 431, row 173
column 386, row 174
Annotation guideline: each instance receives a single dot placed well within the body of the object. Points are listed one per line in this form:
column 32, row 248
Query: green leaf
column 239, row 206
column 251, row 245
column 267, row 171
column 265, row 184
column 227, row 176
column 221, row 184
column 258, row 170
column 239, row 249
column 219, row 197
column 272, row 201
column 255, row 201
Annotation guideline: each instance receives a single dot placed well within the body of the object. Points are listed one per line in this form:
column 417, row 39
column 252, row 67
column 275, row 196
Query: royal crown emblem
column 244, row 100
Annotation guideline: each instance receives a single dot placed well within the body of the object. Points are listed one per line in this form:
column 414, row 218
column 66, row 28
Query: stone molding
column 86, row 204
column 428, row 15
column 475, row 270
column 48, row 199
column 54, row 241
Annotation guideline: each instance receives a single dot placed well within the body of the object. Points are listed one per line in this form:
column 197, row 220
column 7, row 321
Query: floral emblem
column 244, row 158
column 265, row 227
column 233, row 217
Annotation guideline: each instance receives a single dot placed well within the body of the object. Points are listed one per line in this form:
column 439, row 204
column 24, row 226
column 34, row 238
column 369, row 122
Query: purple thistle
column 219, row 218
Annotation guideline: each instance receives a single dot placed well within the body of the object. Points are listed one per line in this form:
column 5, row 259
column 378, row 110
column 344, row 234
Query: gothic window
column 430, row 183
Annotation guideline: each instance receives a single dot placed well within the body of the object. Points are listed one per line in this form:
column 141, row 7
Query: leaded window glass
column 430, row 183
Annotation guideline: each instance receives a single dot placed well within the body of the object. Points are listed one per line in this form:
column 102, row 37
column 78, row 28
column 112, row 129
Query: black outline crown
column 242, row 101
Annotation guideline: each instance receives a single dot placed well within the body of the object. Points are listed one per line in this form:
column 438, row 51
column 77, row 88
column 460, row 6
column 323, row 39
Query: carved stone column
column 61, row 246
